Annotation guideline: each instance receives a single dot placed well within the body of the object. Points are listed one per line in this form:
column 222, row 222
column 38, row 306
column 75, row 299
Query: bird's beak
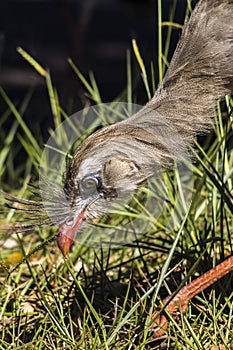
column 66, row 233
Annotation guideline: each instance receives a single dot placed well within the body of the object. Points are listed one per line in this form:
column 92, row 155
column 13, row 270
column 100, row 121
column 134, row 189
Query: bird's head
column 103, row 171
column 111, row 164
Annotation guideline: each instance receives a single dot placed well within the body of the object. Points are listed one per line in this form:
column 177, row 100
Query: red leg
column 182, row 298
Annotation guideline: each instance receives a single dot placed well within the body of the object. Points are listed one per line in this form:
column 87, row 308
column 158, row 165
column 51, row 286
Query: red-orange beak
column 67, row 233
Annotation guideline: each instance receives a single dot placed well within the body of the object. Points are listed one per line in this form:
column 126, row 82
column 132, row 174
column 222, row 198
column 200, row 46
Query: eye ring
column 89, row 185
column 89, row 182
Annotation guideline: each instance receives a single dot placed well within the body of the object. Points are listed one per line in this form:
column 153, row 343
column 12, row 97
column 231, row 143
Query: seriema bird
column 118, row 159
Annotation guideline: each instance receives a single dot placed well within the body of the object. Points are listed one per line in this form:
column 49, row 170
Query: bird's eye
column 89, row 185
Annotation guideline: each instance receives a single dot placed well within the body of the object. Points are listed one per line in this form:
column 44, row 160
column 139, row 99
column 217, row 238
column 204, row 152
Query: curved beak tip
column 66, row 233
column 64, row 243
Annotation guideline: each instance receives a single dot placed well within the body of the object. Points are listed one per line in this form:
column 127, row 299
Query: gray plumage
column 201, row 72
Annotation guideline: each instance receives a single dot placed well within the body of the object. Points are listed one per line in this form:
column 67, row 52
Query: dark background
column 94, row 33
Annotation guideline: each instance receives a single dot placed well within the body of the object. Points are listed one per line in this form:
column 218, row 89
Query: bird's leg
column 182, row 298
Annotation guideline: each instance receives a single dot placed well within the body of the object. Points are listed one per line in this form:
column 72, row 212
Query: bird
column 118, row 159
